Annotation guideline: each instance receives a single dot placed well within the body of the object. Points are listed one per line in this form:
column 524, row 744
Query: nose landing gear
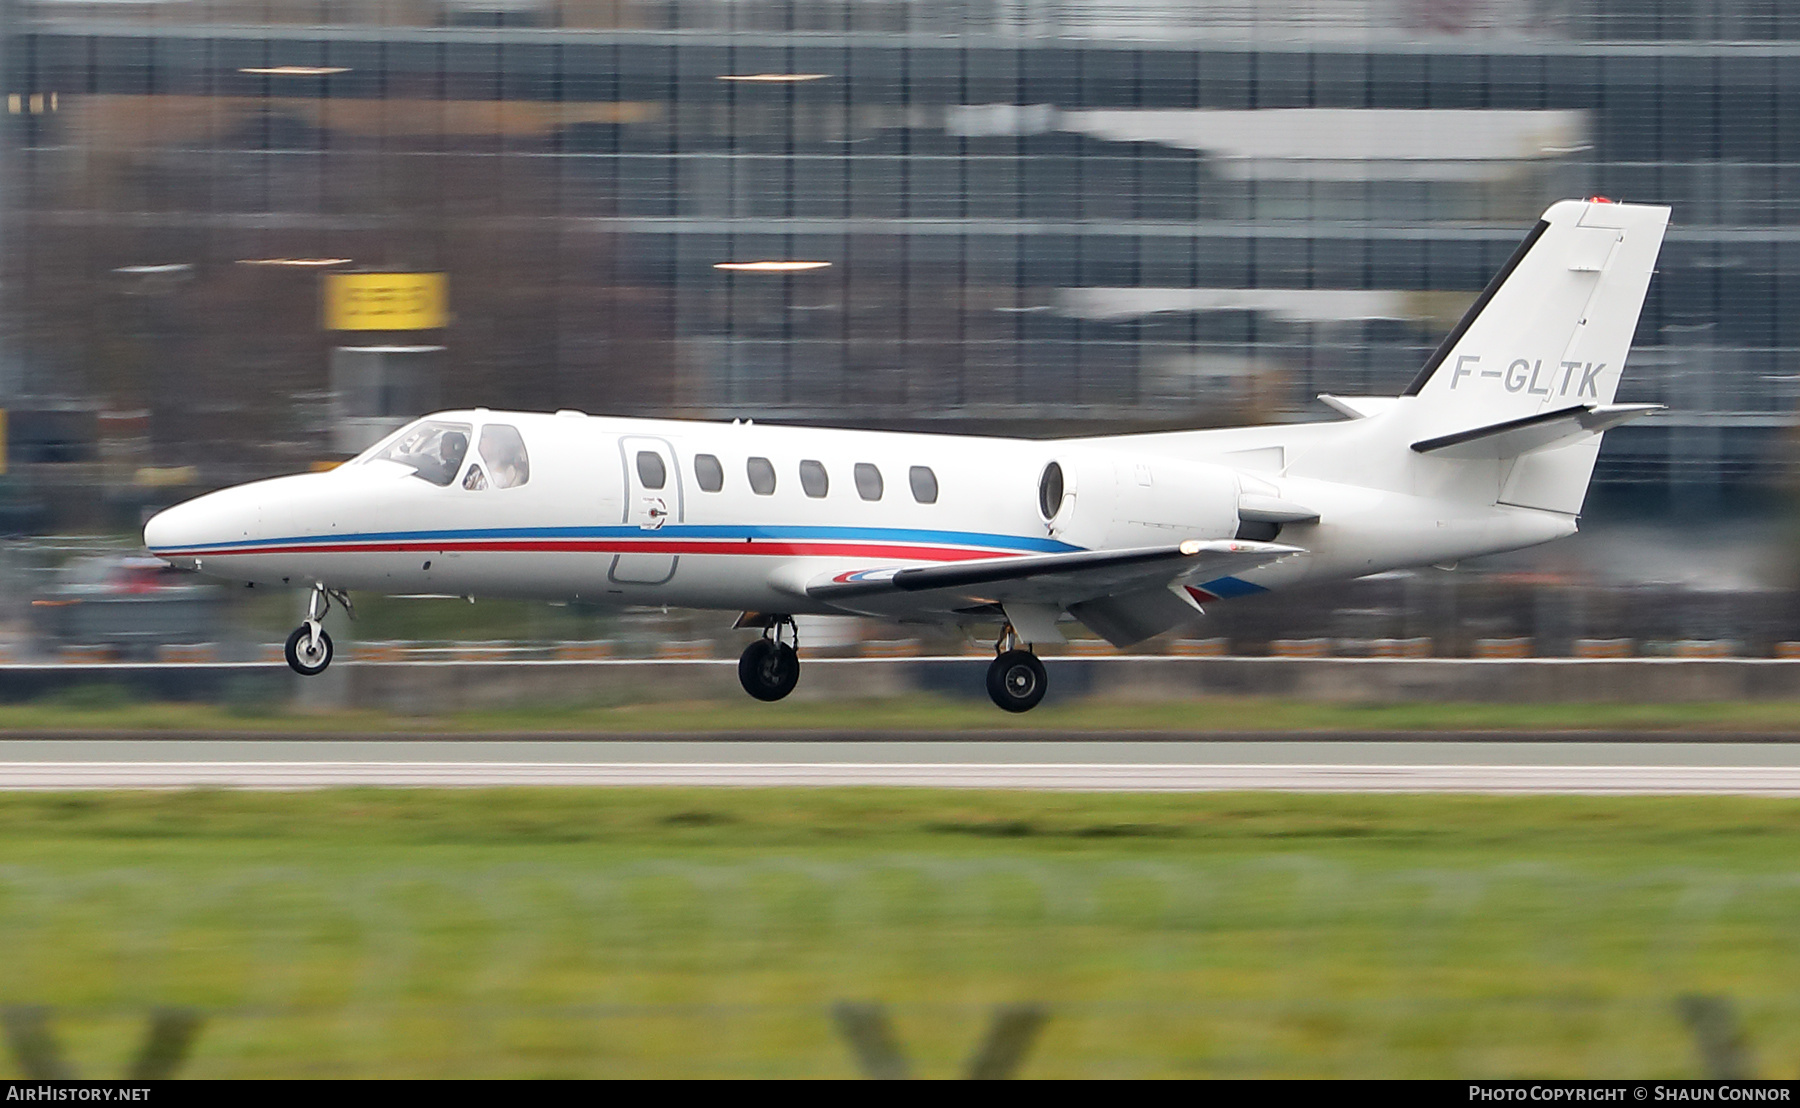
column 1016, row 680
column 309, row 647
column 770, row 668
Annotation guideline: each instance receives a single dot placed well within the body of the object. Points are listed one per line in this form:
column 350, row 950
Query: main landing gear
column 309, row 647
column 1015, row 679
column 770, row 668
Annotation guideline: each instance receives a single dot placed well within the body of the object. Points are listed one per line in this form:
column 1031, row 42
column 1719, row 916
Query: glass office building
column 997, row 215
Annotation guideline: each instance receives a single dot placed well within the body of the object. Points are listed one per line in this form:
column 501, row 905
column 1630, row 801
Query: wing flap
column 1130, row 619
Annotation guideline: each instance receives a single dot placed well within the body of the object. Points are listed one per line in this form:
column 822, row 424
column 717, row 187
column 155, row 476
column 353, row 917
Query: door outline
column 647, row 569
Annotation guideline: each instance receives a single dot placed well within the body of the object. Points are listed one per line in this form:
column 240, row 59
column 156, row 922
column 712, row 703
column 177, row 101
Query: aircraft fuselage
column 586, row 526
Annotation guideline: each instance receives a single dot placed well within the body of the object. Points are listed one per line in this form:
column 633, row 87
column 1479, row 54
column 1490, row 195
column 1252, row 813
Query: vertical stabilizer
column 1550, row 332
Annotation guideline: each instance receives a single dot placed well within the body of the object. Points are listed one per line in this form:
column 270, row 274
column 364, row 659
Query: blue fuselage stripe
column 676, row 531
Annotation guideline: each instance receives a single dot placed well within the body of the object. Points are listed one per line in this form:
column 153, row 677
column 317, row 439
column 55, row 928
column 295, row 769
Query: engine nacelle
column 1100, row 500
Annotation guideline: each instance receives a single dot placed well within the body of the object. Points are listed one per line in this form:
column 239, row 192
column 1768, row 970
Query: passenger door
column 652, row 501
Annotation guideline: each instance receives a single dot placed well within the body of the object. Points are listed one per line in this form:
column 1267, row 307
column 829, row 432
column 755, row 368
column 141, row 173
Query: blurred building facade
column 997, row 215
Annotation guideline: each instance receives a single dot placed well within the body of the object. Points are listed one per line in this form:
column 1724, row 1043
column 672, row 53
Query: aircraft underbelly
column 720, row 581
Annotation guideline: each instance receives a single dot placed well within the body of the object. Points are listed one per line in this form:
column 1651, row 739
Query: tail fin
column 1549, row 333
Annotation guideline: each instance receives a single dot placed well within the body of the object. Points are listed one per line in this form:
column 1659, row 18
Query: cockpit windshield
column 434, row 449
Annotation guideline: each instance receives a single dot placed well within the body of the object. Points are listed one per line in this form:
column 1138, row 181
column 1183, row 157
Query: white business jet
column 1489, row 449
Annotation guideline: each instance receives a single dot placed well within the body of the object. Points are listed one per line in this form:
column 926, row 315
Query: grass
column 707, row 932
column 93, row 710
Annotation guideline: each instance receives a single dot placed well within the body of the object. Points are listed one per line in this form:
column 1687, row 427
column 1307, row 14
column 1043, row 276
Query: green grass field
column 708, row 932
column 103, row 708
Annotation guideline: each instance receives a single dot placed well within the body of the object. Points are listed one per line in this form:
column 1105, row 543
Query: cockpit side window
column 503, row 449
column 433, row 448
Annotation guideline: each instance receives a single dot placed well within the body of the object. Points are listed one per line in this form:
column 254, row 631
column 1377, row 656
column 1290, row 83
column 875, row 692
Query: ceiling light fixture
column 311, row 263
column 293, row 70
column 769, row 267
column 774, row 78
column 154, row 270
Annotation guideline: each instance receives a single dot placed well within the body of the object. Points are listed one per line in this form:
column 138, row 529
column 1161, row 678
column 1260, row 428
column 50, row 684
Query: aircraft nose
column 178, row 534
column 173, row 529
column 226, row 518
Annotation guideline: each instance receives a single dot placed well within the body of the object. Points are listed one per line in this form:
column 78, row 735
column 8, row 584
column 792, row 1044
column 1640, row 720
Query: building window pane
column 924, row 484
column 709, row 473
column 868, row 481
column 762, row 476
column 813, row 478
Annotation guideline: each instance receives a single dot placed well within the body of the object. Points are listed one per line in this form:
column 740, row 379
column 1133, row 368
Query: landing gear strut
column 770, row 668
column 309, row 647
column 1016, row 679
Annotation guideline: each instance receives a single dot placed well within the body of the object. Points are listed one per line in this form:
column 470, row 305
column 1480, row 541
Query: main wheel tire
column 769, row 670
column 1016, row 680
column 302, row 657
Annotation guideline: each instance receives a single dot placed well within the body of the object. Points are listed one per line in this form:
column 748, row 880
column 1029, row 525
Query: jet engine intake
column 1100, row 500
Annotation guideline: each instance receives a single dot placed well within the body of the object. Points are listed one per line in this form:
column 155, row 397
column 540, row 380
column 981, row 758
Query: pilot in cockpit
column 451, row 447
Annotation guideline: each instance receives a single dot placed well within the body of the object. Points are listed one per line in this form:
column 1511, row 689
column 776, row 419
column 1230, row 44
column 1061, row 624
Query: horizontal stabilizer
column 1544, row 431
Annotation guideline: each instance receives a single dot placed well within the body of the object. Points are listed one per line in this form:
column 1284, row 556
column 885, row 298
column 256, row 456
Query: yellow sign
column 385, row 301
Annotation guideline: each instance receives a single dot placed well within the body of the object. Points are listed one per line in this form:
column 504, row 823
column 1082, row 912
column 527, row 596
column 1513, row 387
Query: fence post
column 28, row 1032
column 1724, row 1048
column 167, row 1041
column 871, row 1036
column 1010, row 1035
column 1009, row 1038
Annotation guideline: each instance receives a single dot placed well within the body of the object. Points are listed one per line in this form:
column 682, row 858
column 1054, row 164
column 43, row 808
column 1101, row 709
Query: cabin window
column 813, row 478
column 924, row 484
column 709, row 473
column 503, row 450
column 762, row 476
column 651, row 470
column 433, row 449
column 868, row 481
column 475, row 480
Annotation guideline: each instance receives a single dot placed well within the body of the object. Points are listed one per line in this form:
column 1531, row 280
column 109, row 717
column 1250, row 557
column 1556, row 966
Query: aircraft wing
column 1081, row 579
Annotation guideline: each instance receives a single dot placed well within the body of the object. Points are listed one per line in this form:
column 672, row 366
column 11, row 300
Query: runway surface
column 1303, row 765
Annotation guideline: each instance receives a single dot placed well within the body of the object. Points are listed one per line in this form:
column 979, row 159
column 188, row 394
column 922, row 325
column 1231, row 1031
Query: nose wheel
column 770, row 668
column 1016, row 680
column 309, row 647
